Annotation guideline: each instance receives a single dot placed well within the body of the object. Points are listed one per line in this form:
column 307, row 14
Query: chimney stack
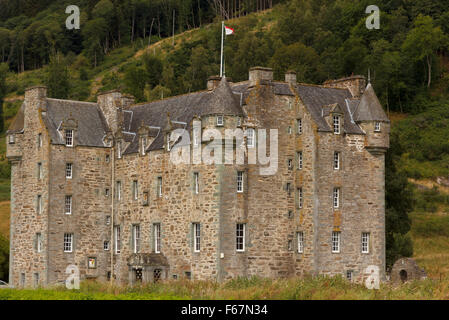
column 355, row 84
column 259, row 75
column 213, row 82
column 290, row 77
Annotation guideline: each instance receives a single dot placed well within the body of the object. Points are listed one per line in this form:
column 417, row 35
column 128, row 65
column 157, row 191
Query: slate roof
column 369, row 108
column 317, row 97
column 17, row 124
column 92, row 126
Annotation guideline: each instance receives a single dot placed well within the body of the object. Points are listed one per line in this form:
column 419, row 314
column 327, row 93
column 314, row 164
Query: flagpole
column 222, row 44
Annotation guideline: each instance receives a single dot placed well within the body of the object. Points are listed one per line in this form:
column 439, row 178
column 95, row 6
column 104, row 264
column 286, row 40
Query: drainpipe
column 112, row 212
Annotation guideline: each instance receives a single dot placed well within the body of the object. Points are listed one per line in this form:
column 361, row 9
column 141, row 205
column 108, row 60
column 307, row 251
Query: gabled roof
column 18, row 122
column 317, row 97
column 369, row 108
column 92, row 126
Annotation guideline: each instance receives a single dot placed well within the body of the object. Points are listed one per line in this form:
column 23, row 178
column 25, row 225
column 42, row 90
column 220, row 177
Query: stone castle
column 92, row 185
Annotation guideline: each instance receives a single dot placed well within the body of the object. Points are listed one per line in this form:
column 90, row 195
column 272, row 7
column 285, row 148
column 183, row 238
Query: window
column 365, row 242
column 335, row 241
column 39, row 171
column 336, row 124
column 68, row 171
column 299, row 126
column 239, row 122
column 146, row 197
column 143, row 141
column 157, row 237
column 220, row 121
column 290, row 245
column 196, row 237
column 377, row 127
column 106, row 192
column 288, row 188
column 290, row 214
column 349, row 275
column 119, row 190
column 290, row 164
column 68, row 205
column 289, row 130
column 300, row 198
column 300, row 160
column 39, row 140
column 38, row 242
column 119, row 149
column 117, row 239
column 168, row 142
column 69, row 138
column 240, row 237
column 240, row 181
column 336, row 160
column 107, row 158
column 12, row 139
column 336, row 198
column 196, row 181
column 135, row 189
column 251, row 137
column 36, row 279
column 136, row 238
column 300, row 236
column 22, row 279
column 92, row 263
column 159, row 187
column 39, row 204
column 68, row 242
column 108, row 220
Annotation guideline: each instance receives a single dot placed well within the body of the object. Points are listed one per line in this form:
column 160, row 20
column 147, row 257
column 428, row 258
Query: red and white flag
column 229, row 31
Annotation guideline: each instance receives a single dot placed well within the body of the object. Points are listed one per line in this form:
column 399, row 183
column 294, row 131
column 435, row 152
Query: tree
column 399, row 202
column 422, row 42
column 57, row 78
column 3, row 72
column 135, row 82
column 153, row 68
column 4, row 258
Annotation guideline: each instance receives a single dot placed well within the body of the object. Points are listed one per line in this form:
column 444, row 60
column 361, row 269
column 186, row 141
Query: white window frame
column 240, row 235
column 290, row 163
column 119, row 189
column 336, row 198
column 117, row 238
column 196, row 178
column 240, row 180
column 69, row 138
column 39, row 204
column 159, row 187
column 168, row 142
column 220, row 121
column 299, row 125
column 377, row 126
column 143, row 141
column 68, row 242
column 337, row 124
column 39, row 242
column 39, row 140
column 68, row 204
column 251, row 137
column 365, row 242
column 300, row 238
column 157, row 237
column 136, row 238
column 336, row 241
column 119, row 149
column 300, row 160
column 300, row 198
column 69, row 171
column 12, row 139
column 196, row 237
column 135, row 190
column 106, row 245
column 349, row 274
column 337, row 156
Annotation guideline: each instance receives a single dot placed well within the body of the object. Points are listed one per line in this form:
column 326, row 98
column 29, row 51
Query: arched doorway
column 403, row 275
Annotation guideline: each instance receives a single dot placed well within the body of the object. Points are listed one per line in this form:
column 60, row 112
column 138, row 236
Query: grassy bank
column 246, row 289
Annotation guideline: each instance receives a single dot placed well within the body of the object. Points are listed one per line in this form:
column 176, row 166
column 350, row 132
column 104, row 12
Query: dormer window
column 250, row 134
column 119, row 149
column 239, row 122
column 299, row 126
column 377, row 126
column 12, row 139
column 69, row 138
column 143, row 142
column 337, row 124
column 220, row 121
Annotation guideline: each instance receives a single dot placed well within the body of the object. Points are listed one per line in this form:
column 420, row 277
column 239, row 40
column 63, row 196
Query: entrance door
column 138, row 275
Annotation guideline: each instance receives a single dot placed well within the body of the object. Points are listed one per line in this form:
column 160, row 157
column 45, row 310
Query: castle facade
column 93, row 185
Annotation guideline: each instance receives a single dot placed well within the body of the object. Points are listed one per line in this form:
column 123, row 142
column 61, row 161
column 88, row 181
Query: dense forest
column 319, row 39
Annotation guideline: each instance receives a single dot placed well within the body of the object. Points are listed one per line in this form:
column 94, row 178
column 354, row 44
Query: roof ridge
column 168, row 98
column 319, row 86
column 73, row 101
